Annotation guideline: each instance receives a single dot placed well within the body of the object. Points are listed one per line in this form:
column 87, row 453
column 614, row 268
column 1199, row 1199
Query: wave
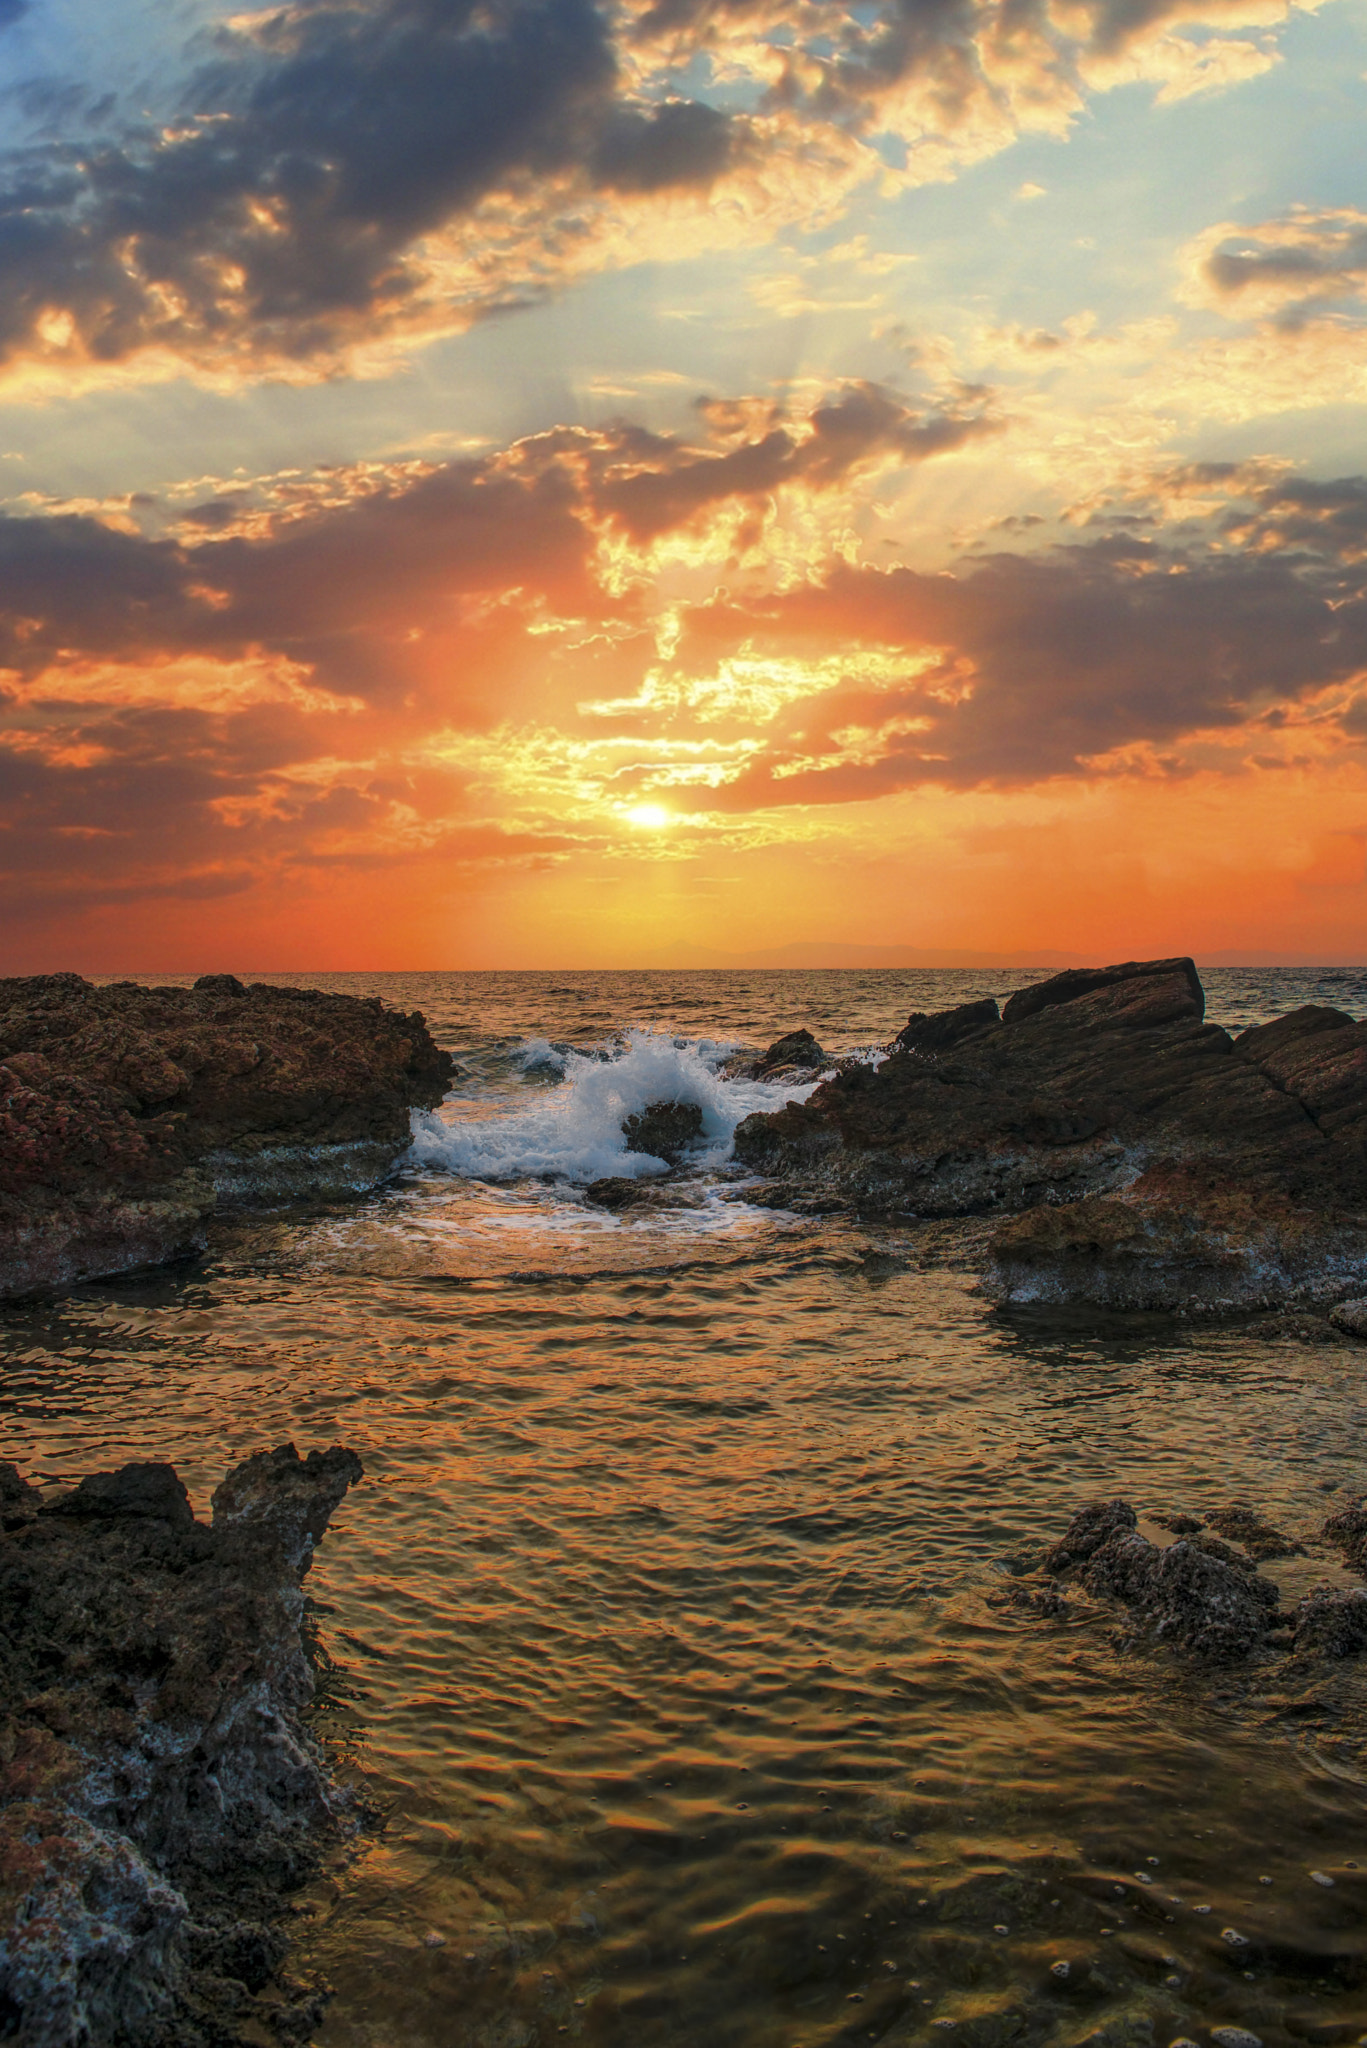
column 574, row 1131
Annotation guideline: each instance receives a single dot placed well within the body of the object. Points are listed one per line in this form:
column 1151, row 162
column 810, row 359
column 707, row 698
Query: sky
column 534, row 483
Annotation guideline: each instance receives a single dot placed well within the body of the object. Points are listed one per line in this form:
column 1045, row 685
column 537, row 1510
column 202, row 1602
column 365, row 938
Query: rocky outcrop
column 665, row 1130
column 797, row 1055
column 159, row 1793
column 129, row 1115
column 1197, row 1595
column 1153, row 1160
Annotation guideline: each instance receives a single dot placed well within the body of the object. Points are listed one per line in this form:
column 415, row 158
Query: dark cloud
column 1045, row 664
column 283, row 212
column 651, row 484
column 680, row 143
column 318, row 149
column 264, row 700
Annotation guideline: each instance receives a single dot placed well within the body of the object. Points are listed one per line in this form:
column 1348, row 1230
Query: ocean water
column 663, row 1630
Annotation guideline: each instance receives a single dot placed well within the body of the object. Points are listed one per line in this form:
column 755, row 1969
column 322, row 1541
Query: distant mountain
column 835, row 953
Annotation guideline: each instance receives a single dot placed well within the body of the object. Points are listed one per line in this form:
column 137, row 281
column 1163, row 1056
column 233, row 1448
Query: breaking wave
column 574, row 1130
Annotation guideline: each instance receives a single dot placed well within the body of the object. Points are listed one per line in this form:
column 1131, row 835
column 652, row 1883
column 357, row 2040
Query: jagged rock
column 1332, row 1623
column 158, row 1791
column 1348, row 1530
column 128, row 1115
column 1350, row 1317
column 1084, row 981
column 663, row 1129
column 797, row 1049
column 1160, row 1162
column 797, row 1053
column 1195, row 1595
column 942, row 1029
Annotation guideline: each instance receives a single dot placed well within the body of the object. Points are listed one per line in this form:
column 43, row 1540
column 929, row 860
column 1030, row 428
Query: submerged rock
column 129, row 1115
column 1332, row 1622
column 1347, row 1530
column 159, row 1793
column 663, row 1129
column 1197, row 1594
column 1154, row 1161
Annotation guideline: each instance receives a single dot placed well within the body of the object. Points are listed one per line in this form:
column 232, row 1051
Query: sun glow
column 649, row 817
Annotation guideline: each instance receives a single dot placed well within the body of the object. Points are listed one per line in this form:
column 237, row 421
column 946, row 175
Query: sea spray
column 574, row 1130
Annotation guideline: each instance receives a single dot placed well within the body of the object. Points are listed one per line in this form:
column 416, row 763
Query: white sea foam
column 574, row 1129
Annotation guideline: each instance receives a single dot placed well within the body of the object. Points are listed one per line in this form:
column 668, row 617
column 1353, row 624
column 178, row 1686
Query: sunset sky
column 554, row 484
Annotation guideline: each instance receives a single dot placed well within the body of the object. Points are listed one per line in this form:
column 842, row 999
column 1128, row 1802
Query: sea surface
column 665, row 1629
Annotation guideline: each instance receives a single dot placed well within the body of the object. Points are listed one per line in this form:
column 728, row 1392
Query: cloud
column 1282, row 268
column 440, row 659
column 346, row 174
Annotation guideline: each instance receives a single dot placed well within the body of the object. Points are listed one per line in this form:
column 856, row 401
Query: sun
column 649, row 816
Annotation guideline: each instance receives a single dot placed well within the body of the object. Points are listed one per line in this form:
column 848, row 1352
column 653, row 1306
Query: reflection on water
column 662, row 1622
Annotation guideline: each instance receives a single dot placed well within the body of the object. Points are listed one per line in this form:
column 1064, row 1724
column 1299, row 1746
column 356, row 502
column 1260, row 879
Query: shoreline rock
column 664, row 1130
column 129, row 1116
column 1149, row 1159
column 1199, row 1595
column 159, row 1793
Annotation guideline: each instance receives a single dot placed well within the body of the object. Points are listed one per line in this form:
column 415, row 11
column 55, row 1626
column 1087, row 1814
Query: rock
column 1186, row 995
column 797, row 1049
column 159, row 1793
column 1194, row 1595
column 1350, row 1317
column 616, row 1191
column 1243, row 1525
column 129, row 1115
column 663, row 1129
column 1153, row 1160
column 945, row 1028
column 1332, row 1623
column 1090, row 1528
column 1348, row 1531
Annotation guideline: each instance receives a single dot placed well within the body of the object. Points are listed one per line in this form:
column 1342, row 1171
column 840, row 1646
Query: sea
column 665, row 1640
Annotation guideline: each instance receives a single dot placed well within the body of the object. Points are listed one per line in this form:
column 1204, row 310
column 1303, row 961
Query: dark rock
column 1243, row 1525
column 797, row 1049
column 159, row 1793
column 1350, row 1317
column 616, row 1191
column 1348, row 1531
column 153, row 1491
column 1089, row 1529
column 128, row 1115
column 1160, row 1163
column 1084, row 981
column 1195, row 1595
column 1332, row 1623
column 945, row 1028
column 663, row 1129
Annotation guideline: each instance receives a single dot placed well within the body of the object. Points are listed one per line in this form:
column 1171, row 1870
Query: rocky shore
column 159, row 1793
column 1145, row 1159
column 1201, row 1593
column 130, row 1115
